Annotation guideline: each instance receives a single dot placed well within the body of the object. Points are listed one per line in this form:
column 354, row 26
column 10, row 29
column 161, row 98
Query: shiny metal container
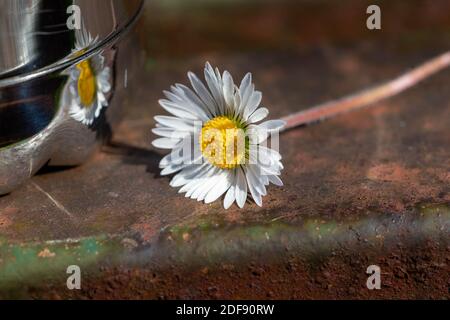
column 66, row 69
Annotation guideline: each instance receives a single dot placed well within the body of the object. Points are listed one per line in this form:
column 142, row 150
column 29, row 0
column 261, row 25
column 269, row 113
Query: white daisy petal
column 172, row 96
column 230, row 195
column 179, row 156
column 241, row 188
column 215, row 87
column 98, row 107
column 228, row 90
column 176, row 123
column 264, row 157
column 220, row 188
column 245, row 87
column 258, row 115
column 252, row 104
column 103, row 80
column 193, row 98
column 208, row 184
column 203, row 93
column 257, row 134
column 165, row 161
column 201, row 191
column 182, row 101
column 272, row 125
column 187, row 174
column 265, row 181
column 254, row 186
column 176, row 110
column 269, row 171
column 275, row 180
column 269, row 153
column 199, row 181
column 254, row 174
column 170, row 132
column 246, row 93
column 102, row 99
column 172, row 169
column 166, row 143
column 191, row 187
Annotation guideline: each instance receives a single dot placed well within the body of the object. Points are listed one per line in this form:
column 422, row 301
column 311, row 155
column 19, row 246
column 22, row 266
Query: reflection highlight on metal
column 36, row 56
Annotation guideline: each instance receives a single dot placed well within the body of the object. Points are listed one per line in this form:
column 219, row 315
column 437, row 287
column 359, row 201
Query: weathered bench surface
column 369, row 187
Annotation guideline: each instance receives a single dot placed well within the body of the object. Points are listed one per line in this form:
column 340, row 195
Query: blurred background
column 323, row 44
column 177, row 29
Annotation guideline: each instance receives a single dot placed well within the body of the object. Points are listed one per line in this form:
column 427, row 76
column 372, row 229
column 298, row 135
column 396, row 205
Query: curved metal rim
column 61, row 65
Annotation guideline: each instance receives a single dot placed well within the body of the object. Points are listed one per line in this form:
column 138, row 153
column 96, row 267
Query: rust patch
column 46, row 253
column 392, row 172
column 147, row 228
column 6, row 216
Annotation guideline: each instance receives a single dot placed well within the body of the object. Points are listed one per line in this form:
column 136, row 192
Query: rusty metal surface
column 370, row 187
column 367, row 187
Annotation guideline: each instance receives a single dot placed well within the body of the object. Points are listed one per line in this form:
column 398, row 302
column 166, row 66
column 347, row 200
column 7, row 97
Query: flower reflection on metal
column 89, row 81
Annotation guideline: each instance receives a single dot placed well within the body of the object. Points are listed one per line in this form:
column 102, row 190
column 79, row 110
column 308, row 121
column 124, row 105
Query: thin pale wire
column 368, row 96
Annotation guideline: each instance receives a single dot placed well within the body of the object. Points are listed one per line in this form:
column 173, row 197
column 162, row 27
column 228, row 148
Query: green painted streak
column 34, row 263
column 428, row 211
column 216, row 239
column 213, row 239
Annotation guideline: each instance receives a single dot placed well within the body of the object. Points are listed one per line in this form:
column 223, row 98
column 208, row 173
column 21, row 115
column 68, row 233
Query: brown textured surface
column 370, row 187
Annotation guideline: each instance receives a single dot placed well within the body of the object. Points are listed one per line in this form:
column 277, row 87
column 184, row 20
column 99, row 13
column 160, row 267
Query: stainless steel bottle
column 66, row 67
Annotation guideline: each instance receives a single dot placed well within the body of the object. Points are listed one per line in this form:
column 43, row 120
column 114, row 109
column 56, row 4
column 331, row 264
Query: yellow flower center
column 86, row 83
column 223, row 143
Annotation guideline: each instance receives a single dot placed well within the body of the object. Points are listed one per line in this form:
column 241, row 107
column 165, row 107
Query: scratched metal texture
column 369, row 187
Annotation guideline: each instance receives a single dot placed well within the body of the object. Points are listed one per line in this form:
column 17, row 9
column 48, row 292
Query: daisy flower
column 217, row 147
column 89, row 81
